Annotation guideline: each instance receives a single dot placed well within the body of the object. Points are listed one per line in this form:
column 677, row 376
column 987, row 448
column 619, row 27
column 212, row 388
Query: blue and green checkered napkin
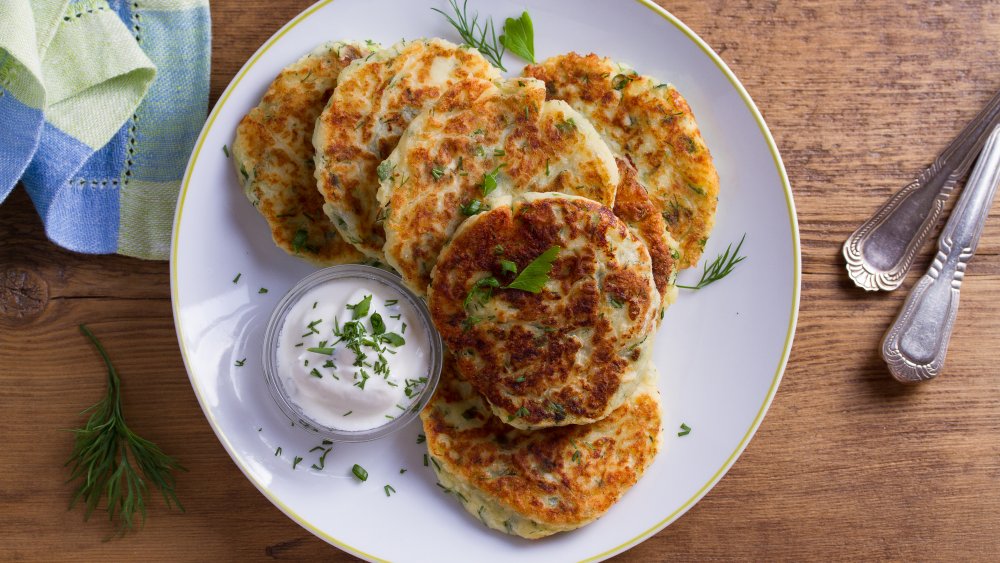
column 100, row 105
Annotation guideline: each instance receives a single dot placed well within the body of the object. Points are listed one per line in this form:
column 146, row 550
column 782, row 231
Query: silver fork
column 915, row 345
column 882, row 250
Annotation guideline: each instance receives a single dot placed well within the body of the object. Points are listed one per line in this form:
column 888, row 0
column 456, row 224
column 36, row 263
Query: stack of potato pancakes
column 543, row 218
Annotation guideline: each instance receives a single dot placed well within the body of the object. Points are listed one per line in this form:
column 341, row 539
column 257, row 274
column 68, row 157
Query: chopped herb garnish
column 519, row 379
column 425, row 460
column 721, row 267
column 225, row 150
column 499, row 152
column 238, row 276
column 384, row 170
column 315, row 373
column 519, row 413
column 277, row 452
column 401, row 471
column 360, row 472
column 299, row 240
column 685, row 430
column 620, row 81
column 421, row 438
column 490, row 181
column 388, row 490
column 508, row 267
column 364, row 379
column 322, row 458
column 347, row 413
column 378, row 325
column 326, row 351
column 391, row 302
column 566, row 126
column 241, row 363
column 296, row 461
column 437, row 172
column 481, row 291
column 615, row 302
column 472, row 208
column 262, row 290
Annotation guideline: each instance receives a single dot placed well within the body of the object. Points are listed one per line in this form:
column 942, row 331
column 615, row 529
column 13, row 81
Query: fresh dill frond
column 481, row 36
column 110, row 460
column 721, row 267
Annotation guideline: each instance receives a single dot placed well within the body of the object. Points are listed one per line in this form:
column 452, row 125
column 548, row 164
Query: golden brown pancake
column 374, row 102
column 534, row 484
column 481, row 144
column 273, row 155
column 633, row 206
column 574, row 351
column 651, row 123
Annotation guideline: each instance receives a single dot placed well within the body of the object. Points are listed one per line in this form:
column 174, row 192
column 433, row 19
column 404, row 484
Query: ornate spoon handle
column 916, row 343
column 881, row 251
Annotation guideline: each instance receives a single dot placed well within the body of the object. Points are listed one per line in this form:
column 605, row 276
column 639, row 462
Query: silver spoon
column 881, row 251
column 916, row 343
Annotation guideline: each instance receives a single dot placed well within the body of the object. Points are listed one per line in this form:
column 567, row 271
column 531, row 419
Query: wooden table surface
column 848, row 464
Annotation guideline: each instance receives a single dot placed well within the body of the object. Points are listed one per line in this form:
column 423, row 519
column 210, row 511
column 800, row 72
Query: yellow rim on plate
column 793, row 313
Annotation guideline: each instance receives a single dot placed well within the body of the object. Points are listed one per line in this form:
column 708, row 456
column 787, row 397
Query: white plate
column 721, row 351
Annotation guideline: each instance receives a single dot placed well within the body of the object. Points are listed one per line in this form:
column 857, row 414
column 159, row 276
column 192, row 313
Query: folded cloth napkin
column 100, row 105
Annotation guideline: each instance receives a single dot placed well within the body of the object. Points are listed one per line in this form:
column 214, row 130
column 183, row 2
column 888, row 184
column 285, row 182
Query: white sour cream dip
column 352, row 354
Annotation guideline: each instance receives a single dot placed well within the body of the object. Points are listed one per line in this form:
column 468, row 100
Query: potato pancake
column 534, row 484
column 273, row 155
column 633, row 206
column 570, row 353
column 651, row 123
column 374, row 102
column 482, row 143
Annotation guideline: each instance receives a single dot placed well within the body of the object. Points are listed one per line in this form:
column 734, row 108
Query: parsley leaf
column 472, row 208
column 490, row 181
column 361, row 307
column 519, row 37
column 393, row 339
column 534, row 276
column 378, row 325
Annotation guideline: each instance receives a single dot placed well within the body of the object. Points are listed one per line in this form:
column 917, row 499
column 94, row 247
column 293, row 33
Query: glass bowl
column 272, row 334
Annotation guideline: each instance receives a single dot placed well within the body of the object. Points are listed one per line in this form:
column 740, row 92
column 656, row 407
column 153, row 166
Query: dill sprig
column 721, row 267
column 110, row 460
column 482, row 37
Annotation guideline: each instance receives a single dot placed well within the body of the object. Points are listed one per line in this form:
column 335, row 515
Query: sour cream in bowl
column 351, row 354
